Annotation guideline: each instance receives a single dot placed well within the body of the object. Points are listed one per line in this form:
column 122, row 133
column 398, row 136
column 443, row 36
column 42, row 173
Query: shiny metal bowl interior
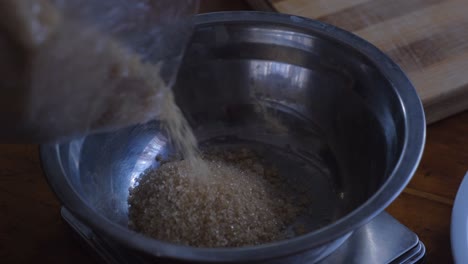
column 355, row 131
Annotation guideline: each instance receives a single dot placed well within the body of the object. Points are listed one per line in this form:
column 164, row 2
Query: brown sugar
column 241, row 202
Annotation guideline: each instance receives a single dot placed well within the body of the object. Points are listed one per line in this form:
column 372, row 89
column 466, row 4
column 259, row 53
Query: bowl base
column 383, row 239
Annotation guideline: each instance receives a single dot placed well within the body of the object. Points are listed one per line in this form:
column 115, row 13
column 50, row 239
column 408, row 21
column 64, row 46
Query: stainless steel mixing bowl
column 347, row 126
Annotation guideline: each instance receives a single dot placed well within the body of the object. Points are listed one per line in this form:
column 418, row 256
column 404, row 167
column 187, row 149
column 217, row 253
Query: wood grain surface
column 32, row 231
column 427, row 38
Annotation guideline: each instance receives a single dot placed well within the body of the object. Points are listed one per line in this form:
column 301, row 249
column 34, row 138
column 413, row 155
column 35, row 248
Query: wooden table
column 31, row 229
column 426, row 204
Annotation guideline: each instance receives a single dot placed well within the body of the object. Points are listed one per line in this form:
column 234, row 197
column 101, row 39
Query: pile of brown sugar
column 241, row 202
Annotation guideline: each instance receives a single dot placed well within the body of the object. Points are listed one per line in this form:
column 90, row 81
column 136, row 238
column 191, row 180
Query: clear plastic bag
column 92, row 65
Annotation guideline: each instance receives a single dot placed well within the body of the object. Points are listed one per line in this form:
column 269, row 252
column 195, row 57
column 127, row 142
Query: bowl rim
column 459, row 223
column 415, row 131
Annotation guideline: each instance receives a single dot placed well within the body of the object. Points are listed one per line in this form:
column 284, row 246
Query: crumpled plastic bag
column 81, row 66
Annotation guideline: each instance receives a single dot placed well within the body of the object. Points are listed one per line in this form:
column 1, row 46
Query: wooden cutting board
column 427, row 38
